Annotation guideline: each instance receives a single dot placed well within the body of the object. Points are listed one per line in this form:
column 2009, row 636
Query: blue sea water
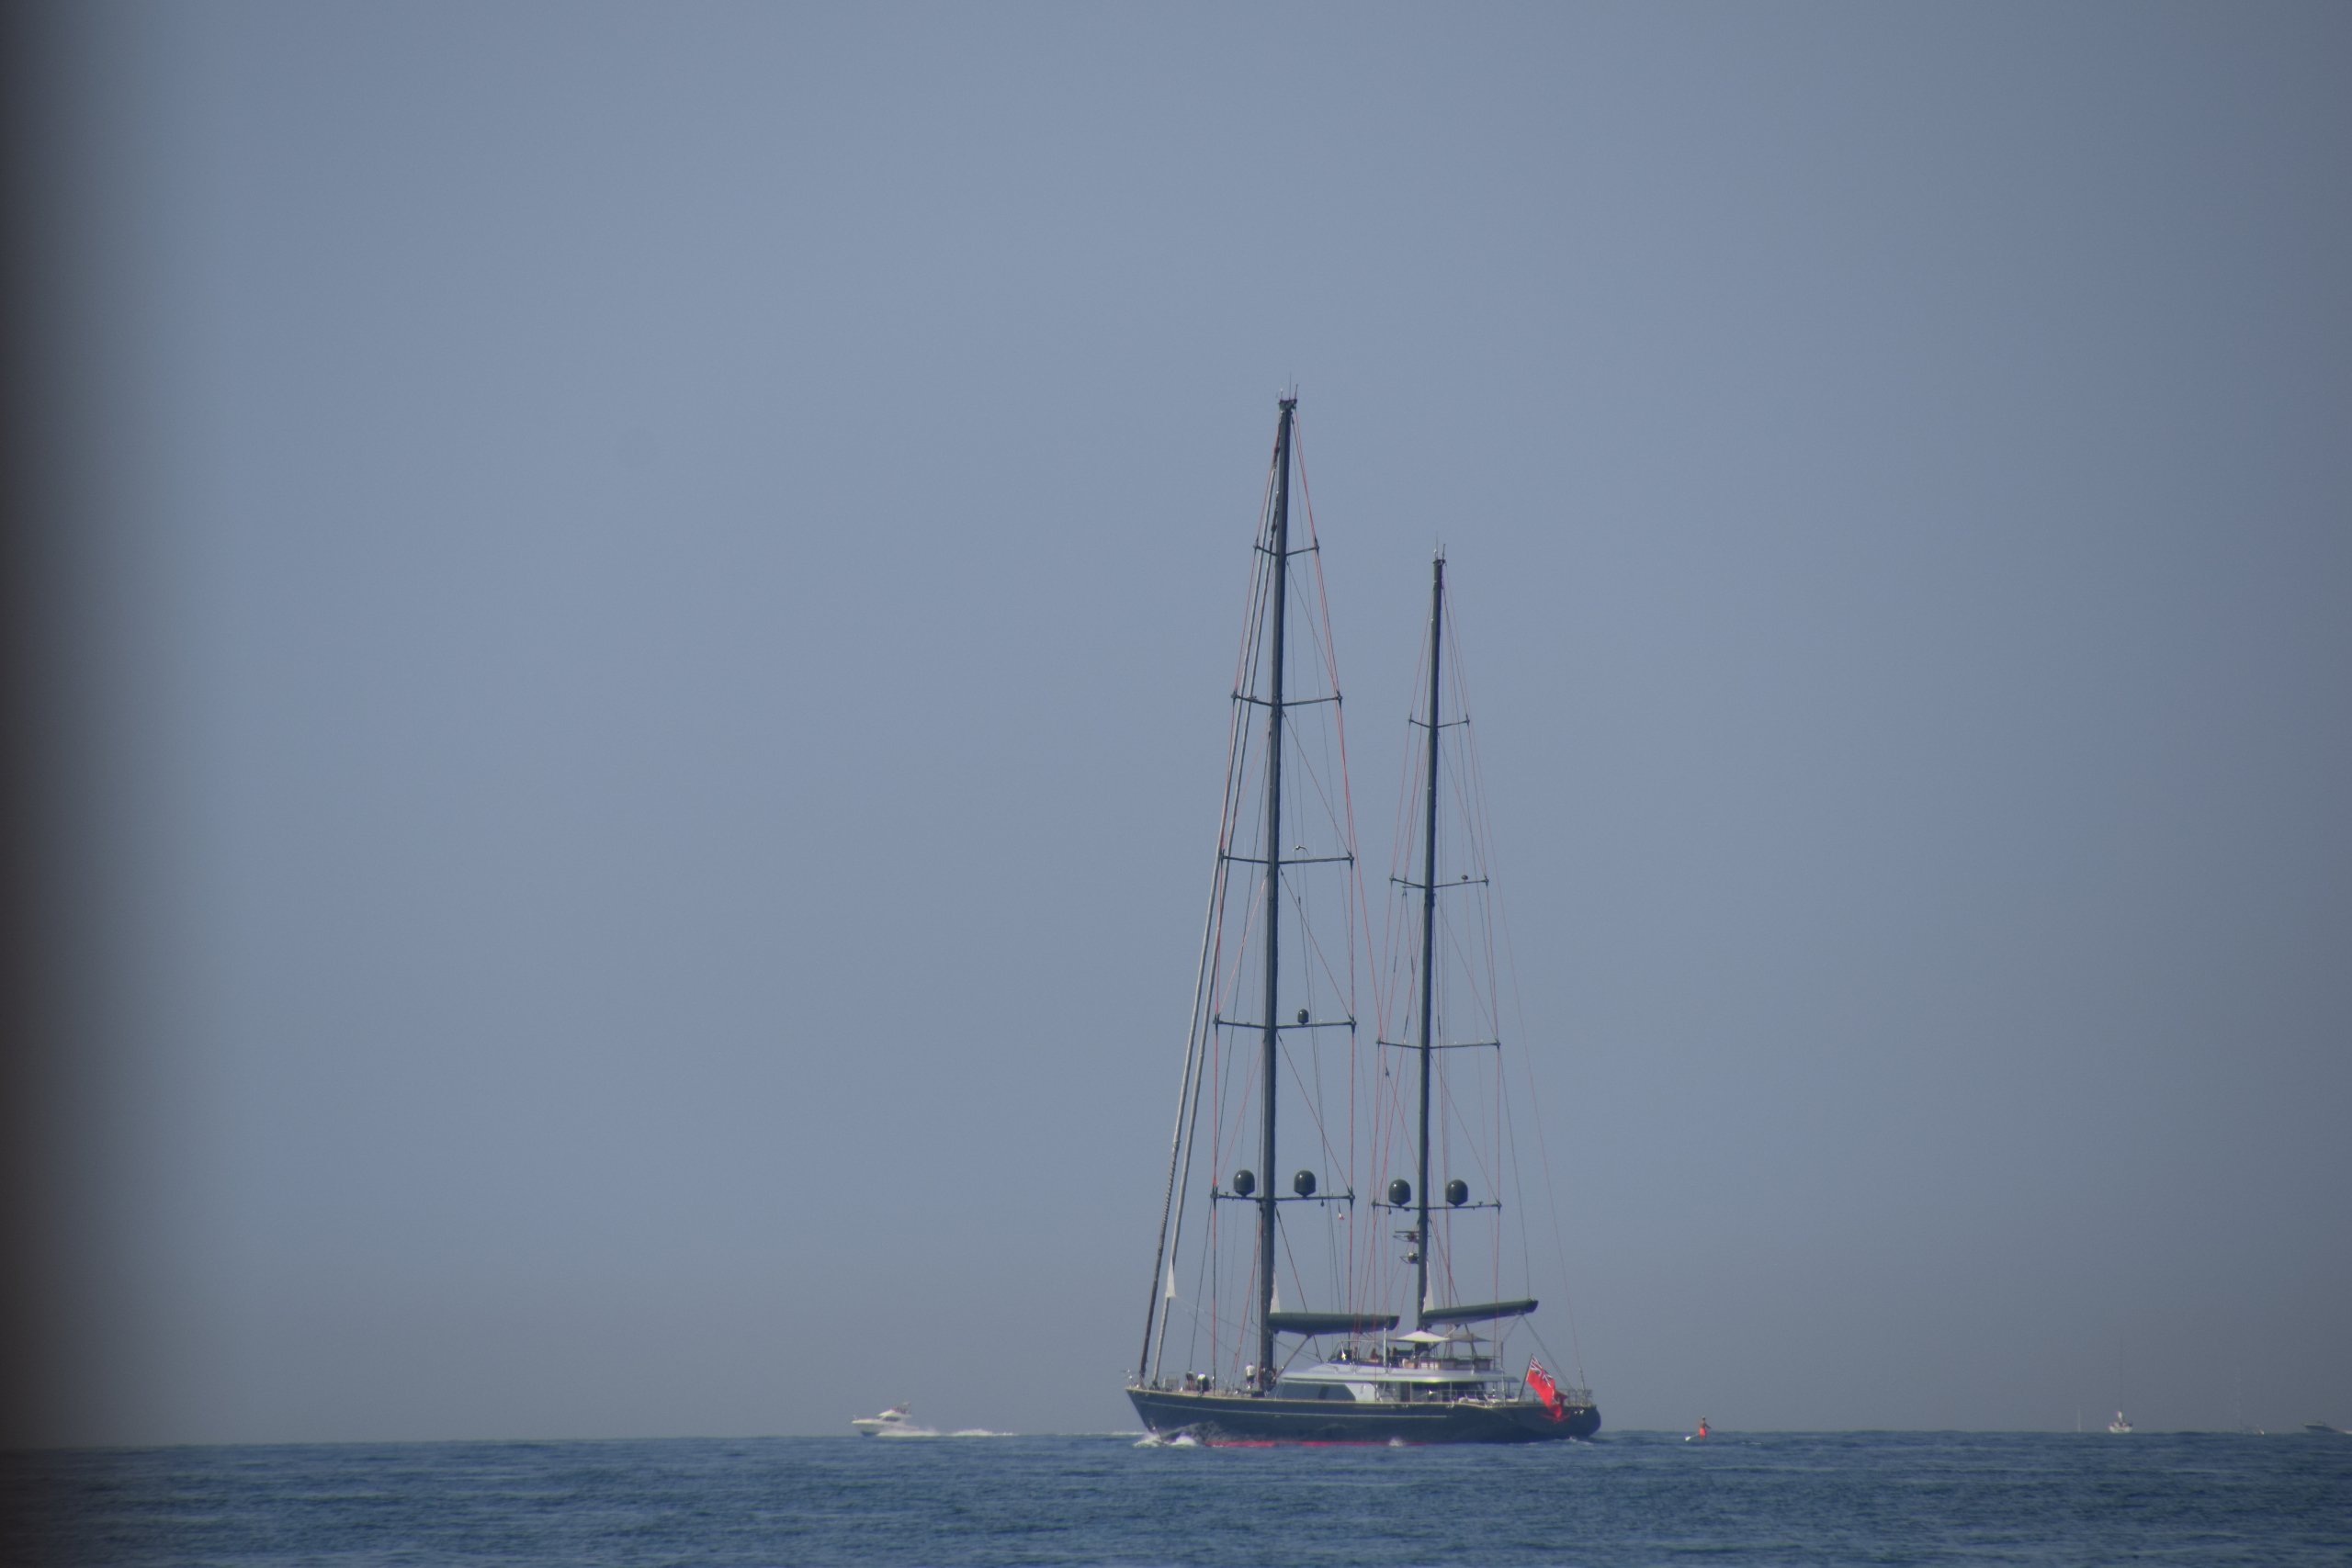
column 1868, row 1497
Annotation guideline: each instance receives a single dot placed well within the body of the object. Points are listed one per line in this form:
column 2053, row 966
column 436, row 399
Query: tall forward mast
column 1280, row 945
column 1270, row 1050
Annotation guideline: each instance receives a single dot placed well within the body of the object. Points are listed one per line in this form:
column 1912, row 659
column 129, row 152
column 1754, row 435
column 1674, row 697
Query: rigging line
column 1311, row 1096
column 1208, row 1057
column 1406, row 794
column 1253, row 612
column 1206, row 1275
column 1322, row 960
column 1405, row 838
column 1307, row 996
column 1210, row 1042
column 1374, row 1262
column 1171, row 1198
column 1329, row 647
column 1475, row 761
column 1519, row 1193
column 1229, row 1004
column 1405, row 827
column 1362, row 919
column 1551, row 1195
column 1473, row 811
column 1468, row 786
column 1454, row 947
column 1465, row 774
column 1335, row 1283
column 1455, row 1120
column 1484, row 1158
column 1534, row 1104
column 1261, row 568
column 1247, row 1314
column 1401, row 939
column 1298, row 1282
column 1210, row 1256
column 1198, row 1320
column 1308, row 1095
column 1322, row 1136
column 1330, row 809
column 1241, row 1114
column 1226, row 1060
column 1507, row 1159
column 1176, row 1241
column 1323, row 620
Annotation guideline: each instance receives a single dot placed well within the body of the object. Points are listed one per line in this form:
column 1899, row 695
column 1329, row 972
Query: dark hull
column 1241, row 1418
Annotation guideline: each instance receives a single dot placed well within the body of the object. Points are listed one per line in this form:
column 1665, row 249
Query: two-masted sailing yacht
column 1398, row 1310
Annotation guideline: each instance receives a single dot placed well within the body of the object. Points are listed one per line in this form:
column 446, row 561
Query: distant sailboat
column 2119, row 1426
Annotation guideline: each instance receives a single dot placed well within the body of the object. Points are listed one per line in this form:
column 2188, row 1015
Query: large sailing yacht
column 1405, row 1340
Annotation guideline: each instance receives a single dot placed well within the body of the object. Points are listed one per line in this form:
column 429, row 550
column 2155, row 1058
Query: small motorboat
column 2119, row 1426
column 893, row 1422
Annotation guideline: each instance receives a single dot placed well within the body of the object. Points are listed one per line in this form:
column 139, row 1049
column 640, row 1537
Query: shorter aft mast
column 1427, row 1313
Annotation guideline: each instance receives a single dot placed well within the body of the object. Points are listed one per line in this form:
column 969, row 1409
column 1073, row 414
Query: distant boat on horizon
column 2119, row 1426
column 895, row 1422
column 2322, row 1429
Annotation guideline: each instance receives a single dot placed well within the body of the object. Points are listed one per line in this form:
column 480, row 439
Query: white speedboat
column 892, row 1423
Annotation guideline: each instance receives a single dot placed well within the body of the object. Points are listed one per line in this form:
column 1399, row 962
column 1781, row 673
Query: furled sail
column 1333, row 1322
column 1477, row 1312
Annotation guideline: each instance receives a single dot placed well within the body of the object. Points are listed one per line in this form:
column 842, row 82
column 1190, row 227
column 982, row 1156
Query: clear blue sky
column 646, row 597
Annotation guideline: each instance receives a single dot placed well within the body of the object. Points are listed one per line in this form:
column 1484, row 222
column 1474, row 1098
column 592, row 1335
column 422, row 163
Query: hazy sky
column 651, row 592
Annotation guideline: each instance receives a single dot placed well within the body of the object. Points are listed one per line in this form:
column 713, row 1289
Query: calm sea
column 1627, row 1498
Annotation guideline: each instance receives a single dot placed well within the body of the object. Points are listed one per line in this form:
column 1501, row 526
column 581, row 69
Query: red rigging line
column 1314, row 946
column 1315, row 544
column 1340, row 722
column 1404, row 837
column 1358, row 922
column 1506, row 1161
column 1237, row 734
column 1477, row 812
column 1254, row 608
column 1484, row 830
column 1314, row 1111
column 1315, row 778
column 1474, row 797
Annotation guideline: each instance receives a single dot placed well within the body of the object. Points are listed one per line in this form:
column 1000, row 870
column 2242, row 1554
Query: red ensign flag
column 1549, row 1392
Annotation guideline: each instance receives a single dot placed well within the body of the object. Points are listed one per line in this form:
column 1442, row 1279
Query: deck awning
column 1331, row 1322
column 1477, row 1312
